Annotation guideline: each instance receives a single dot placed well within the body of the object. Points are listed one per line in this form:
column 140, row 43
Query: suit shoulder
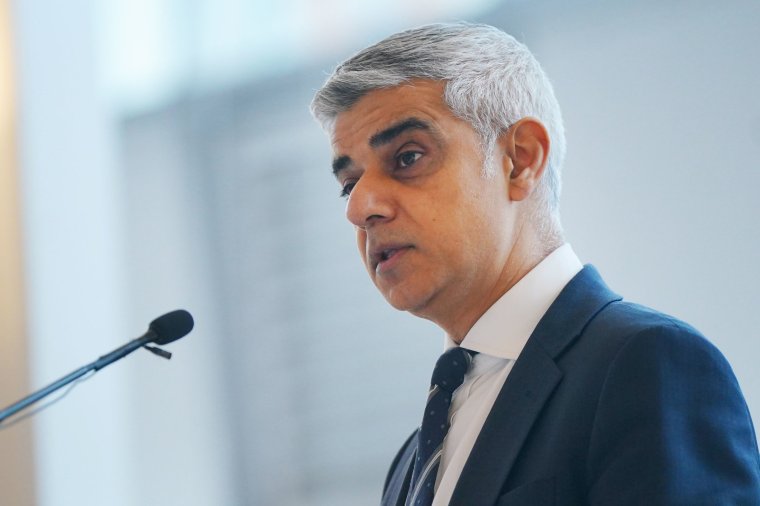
column 645, row 339
column 621, row 323
column 669, row 398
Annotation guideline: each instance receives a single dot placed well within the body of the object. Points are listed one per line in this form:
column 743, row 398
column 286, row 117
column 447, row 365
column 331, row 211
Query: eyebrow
column 340, row 164
column 383, row 137
column 390, row 133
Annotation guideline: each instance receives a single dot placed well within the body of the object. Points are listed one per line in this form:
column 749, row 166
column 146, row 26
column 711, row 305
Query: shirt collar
column 505, row 327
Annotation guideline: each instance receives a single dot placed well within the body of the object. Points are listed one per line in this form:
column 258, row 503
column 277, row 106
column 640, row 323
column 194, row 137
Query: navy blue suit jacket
column 609, row 403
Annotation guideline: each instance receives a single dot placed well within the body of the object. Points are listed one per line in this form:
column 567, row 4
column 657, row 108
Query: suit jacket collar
column 533, row 378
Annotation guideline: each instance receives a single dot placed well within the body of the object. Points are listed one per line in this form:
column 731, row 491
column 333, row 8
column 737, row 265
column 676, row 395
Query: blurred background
column 158, row 154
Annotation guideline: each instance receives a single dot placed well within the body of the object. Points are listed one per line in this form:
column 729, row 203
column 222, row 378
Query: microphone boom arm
column 98, row 364
column 162, row 330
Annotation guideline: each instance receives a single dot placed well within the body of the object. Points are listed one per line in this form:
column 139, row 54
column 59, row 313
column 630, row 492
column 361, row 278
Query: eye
column 407, row 158
column 347, row 187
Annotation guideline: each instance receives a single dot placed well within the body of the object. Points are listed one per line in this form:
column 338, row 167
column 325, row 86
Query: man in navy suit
column 448, row 145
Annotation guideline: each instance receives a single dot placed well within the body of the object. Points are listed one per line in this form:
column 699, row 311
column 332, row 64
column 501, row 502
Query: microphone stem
column 100, row 363
column 123, row 351
column 40, row 394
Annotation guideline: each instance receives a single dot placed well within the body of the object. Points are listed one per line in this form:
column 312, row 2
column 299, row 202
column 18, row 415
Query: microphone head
column 171, row 326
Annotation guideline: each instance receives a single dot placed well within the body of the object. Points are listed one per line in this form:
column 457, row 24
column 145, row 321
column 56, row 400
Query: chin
column 407, row 300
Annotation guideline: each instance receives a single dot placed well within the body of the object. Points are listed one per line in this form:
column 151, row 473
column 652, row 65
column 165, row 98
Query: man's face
column 433, row 232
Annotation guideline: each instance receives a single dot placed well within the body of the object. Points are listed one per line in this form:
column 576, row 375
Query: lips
column 384, row 255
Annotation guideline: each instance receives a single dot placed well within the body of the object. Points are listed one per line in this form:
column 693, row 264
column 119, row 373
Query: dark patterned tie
column 447, row 376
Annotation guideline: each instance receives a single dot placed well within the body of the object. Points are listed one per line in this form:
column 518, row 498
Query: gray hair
column 492, row 81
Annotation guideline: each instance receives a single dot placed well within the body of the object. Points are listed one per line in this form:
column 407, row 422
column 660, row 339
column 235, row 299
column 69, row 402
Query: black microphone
column 171, row 326
column 163, row 330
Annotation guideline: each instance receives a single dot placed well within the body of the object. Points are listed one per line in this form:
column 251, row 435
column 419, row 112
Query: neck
column 526, row 253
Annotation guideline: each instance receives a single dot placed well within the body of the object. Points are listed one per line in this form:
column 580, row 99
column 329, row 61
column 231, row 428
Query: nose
column 370, row 201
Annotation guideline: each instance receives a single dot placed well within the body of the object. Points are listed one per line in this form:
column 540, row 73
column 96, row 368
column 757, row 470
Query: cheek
column 478, row 229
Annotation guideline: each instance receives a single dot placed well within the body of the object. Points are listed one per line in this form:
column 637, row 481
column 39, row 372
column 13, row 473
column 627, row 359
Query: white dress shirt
column 499, row 336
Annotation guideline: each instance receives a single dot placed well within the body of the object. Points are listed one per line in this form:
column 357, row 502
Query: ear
column 525, row 153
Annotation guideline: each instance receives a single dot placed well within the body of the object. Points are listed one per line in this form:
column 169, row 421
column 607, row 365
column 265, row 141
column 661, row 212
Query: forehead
column 378, row 109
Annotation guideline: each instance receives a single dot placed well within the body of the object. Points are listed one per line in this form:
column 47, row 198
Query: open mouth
column 385, row 259
column 386, row 254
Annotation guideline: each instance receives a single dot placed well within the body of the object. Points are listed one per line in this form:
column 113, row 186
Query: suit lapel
column 530, row 384
column 401, row 474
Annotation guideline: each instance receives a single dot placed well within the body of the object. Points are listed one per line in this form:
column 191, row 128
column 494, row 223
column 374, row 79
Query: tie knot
column 450, row 369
